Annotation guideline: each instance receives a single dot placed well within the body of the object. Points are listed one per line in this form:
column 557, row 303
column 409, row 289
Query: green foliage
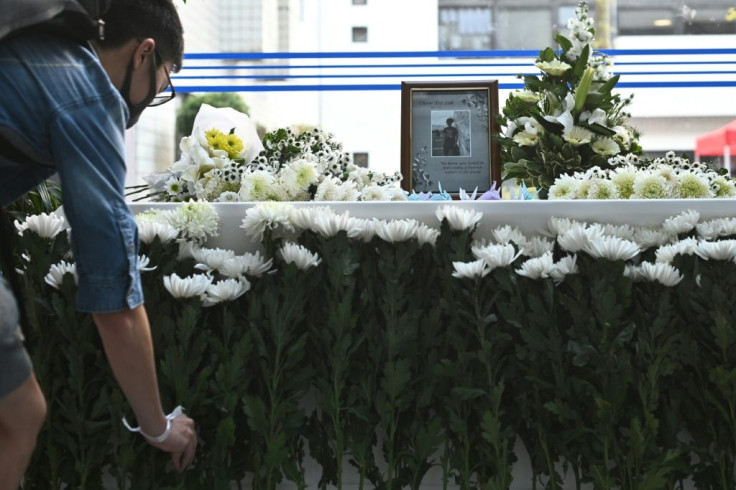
column 190, row 107
column 378, row 358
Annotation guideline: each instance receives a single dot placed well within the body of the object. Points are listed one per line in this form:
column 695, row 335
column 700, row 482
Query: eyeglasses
column 164, row 98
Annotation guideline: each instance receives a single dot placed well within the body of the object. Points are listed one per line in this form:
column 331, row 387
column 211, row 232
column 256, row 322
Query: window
column 361, row 159
column 526, row 28
column 465, row 28
column 360, row 34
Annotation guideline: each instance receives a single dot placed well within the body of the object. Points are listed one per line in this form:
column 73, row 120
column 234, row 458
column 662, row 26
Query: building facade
column 368, row 121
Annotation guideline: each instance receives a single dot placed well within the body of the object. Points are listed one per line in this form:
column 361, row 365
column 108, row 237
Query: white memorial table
column 531, row 218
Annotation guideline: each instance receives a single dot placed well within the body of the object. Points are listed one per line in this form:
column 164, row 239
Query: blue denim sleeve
column 88, row 147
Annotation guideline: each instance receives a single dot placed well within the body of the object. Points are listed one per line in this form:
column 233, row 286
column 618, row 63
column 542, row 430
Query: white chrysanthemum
column 305, row 172
column 566, row 266
column 149, row 230
column 578, row 136
column 524, row 138
column 228, row 196
column 576, row 238
column 554, row 67
column 55, row 276
column 360, row 175
column 394, row 231
column 601, row 189
column 565, row 187
column 716, row 228
column 506, row 234
column 151, row 215
column 538, row 267
column 187, row 287
column 373, row 192
column 395, row 193
column 330, row 224
column 425, row 234
column 267, row 216
column 349, row 192
column 647, row 236
column 720, row 250
column 458, row 219
column 723, row 187
column 330, row 189
column 612, row 248
column 605, row 146
column 666, row 253
column 210, row 259
column 650, row 186
column 195, row 220
column 258, row 185
column 693, row 186
column 302, row 218
column 728, row 226
column 684, row 222
column 622, row 231
column 558, row 226
column 709, row 230
column 623, row 178
column 44, row 225
column 300, row 256
column 253, row 265
column 368, row 229
column 537, row 246
column 470, row 270
column 225, row 290
column 143, row 262
column 663, row 273
column 496, row 255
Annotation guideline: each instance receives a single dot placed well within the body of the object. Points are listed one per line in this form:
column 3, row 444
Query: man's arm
column 126, row 336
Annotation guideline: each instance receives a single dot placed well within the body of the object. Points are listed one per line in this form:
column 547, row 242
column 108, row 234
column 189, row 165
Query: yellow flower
column 234, row 145
column 216, row 139
column 230, row 143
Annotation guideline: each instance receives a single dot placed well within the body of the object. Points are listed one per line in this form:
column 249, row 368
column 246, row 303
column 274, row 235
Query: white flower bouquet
column 567, row 119
column 223, row 160
column 631, row 177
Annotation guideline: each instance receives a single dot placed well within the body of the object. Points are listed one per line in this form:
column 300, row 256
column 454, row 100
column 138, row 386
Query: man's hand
column 181, row 443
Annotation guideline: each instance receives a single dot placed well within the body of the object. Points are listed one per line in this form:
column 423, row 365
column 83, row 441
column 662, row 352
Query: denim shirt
column 57, row 102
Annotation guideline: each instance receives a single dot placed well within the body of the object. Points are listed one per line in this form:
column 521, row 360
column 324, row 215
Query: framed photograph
column 447, row 136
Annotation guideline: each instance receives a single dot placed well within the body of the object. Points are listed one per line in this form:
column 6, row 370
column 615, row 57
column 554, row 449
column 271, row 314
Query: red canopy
column 713, row 144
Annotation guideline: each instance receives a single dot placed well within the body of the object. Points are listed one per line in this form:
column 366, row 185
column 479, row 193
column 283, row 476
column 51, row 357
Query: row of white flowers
column 670, row 177
column 225, row 275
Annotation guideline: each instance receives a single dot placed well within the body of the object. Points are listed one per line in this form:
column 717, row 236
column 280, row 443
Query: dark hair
column 140, row 19
column 450, row 121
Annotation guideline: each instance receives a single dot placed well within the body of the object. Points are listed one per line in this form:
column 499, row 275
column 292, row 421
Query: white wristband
column 158, row 439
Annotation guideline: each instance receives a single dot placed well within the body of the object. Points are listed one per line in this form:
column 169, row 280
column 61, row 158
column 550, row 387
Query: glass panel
column 465, row 28
column 523, row 29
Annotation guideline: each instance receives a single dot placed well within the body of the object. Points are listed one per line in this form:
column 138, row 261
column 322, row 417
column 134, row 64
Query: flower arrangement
column 567, row 119
column 631, row 177
column 585, row 342
column 223, row 160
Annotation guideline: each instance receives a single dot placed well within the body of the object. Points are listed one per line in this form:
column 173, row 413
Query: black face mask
column 135, row 110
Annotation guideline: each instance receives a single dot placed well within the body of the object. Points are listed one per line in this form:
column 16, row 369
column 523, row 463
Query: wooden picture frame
column 432, row 155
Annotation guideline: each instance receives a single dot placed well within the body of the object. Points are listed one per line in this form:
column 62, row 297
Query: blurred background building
column 224, row 39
